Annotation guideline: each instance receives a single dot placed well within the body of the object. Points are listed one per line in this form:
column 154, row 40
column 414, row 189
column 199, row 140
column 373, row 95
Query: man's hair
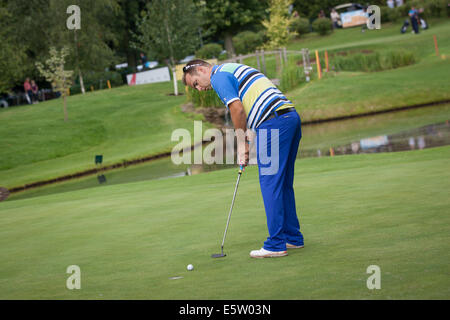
column 191, row 67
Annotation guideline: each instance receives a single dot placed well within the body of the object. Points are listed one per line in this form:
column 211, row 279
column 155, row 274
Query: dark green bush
column 209, row 51
column 322, row 26
column 402, row 11
column 384, row 14
column 432, row 8
column 247, row 41
column 394, row 14
column 300, row 25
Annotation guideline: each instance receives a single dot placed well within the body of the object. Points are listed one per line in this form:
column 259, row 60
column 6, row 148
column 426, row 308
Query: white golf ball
column 190, row 267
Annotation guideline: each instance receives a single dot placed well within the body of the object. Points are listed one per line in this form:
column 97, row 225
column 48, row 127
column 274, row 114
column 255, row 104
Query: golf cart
column 351, row 14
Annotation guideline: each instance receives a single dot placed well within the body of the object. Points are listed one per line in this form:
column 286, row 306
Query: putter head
column 219, row 255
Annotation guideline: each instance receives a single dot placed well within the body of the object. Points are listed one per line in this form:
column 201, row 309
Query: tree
column 278, row 24
column 12, row 55
column 167, row 30
column 55, row 73
column 41, row 24
column 228, row 17
column 124, row 27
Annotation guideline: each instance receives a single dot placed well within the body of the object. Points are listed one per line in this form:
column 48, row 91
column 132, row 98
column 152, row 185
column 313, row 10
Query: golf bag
column 423, row 24
column 405, row 26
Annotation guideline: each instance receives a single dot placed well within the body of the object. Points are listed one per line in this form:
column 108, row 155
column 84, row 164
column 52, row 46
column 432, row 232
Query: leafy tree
column 124, row 27
column 228, row 17
column 41, row 24
column 55, row 73
column 12, row 55
column 278, row 24
column 168, row 30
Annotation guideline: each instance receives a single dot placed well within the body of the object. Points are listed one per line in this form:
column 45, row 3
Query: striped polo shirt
column 259, row 96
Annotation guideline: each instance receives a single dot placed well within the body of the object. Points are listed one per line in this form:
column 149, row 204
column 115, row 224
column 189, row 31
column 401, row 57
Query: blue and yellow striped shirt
column 259, row 96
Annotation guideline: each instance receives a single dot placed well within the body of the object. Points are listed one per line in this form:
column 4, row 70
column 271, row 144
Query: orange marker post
column 109, row 84
column 326, row 61
column 436, row 45
column 331, row 152
column 319, row 69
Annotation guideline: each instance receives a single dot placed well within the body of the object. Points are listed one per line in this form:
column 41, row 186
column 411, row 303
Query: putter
column 221, row 255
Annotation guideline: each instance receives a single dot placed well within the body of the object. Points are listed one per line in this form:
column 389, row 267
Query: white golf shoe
column 263, row 253
column 293, row 246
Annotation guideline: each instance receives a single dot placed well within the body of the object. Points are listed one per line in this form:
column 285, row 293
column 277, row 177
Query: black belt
column 279, row 113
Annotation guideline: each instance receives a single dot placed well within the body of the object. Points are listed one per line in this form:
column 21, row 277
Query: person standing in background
column 27, row 89
column 414, row 16
column 335, row 18
column 34, row 92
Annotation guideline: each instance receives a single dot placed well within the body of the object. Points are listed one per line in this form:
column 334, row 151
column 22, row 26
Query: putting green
column 389, row 210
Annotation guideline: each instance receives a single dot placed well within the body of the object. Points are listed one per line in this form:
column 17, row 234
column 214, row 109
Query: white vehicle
column 352, row 14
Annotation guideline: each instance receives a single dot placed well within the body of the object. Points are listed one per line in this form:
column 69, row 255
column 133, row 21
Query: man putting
column 256, row 103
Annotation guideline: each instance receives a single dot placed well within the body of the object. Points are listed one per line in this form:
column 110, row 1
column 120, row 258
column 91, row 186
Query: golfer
column 255, row 103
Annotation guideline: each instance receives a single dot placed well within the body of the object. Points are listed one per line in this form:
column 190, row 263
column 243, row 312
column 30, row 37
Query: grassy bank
column 389, row 210
column 122, row 123
column 352, row 93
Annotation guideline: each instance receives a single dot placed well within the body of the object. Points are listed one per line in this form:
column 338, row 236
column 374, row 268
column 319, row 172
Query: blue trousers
column 277, row 145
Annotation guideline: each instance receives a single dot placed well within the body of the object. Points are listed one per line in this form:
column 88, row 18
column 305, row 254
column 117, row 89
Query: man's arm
column 239, row 119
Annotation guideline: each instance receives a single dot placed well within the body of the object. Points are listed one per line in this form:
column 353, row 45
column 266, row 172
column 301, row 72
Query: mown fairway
column 389, row 210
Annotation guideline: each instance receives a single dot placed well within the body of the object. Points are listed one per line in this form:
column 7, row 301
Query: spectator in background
column 390, row 4
column 414, row 16
column 321, row 14
column 144, row 61
column 399, row 3
column 27, row 89
column 295, row 14
column 34, row 92
column 336, row 19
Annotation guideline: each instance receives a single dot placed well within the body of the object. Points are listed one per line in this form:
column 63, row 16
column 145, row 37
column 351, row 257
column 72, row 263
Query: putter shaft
column 231, row 208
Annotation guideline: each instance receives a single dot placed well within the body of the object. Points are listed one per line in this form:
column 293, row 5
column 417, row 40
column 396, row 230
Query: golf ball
column 190, row 267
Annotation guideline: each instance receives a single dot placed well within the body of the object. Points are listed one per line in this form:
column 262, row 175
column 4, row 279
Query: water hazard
column 429, row 136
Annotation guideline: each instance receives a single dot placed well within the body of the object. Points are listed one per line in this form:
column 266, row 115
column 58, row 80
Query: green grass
column 356, row 93
column 121, row 124
column 389, row 210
